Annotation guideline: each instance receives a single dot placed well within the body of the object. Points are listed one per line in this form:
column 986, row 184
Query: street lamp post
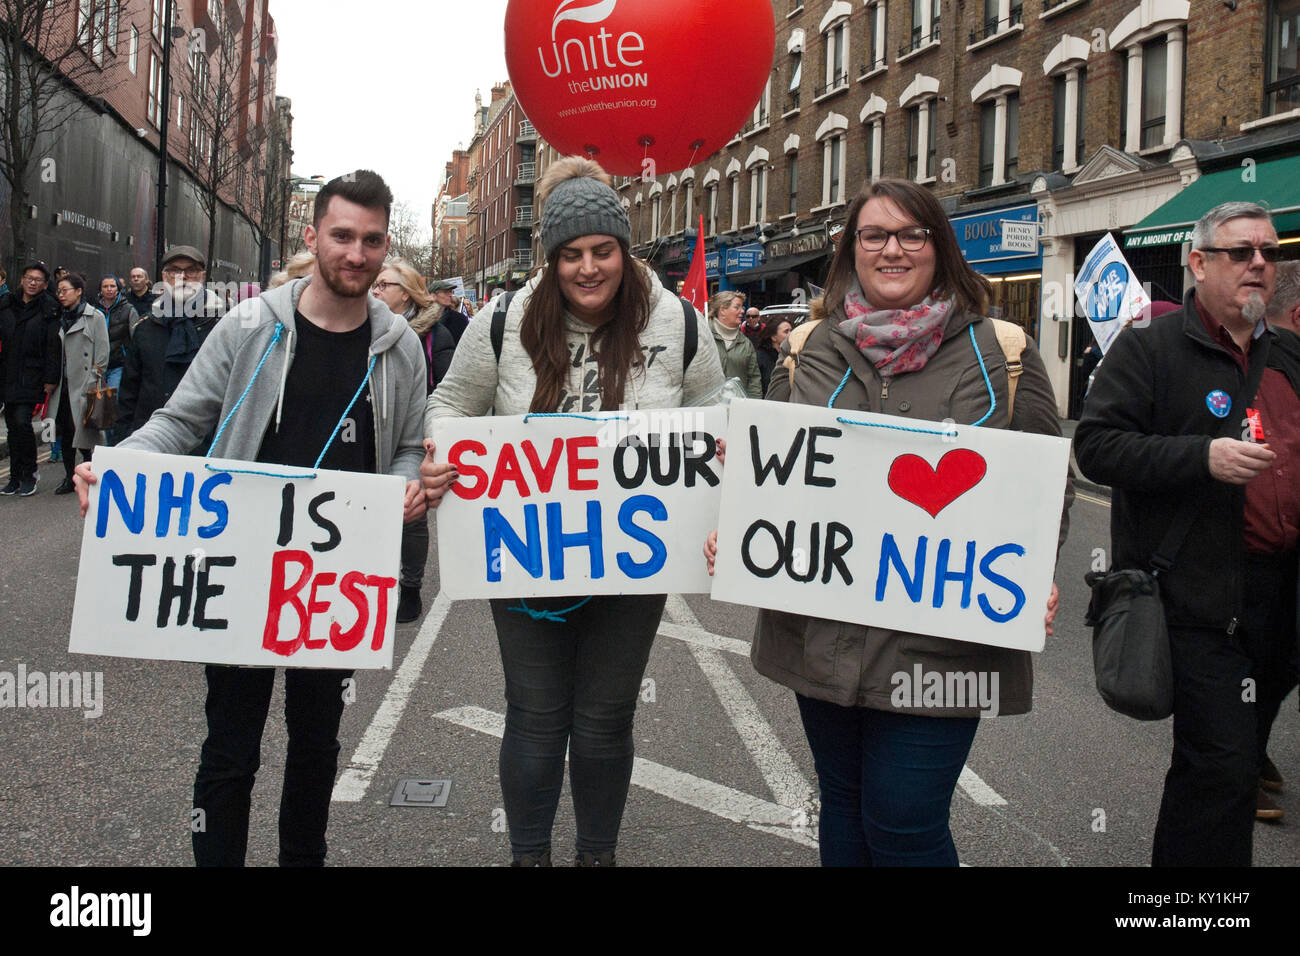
column 169, row 35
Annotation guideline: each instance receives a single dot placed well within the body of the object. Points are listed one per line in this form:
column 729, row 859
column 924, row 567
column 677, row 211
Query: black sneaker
column 28, row 488
column 408, row 605
column 11, row 488
column 66, row 487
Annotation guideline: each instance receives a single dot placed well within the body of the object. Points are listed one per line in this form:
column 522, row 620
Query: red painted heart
column 933, row 489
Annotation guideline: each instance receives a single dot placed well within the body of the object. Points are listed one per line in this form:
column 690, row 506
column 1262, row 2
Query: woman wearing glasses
column 578, row 338
column 401, row 288
column 900, row 331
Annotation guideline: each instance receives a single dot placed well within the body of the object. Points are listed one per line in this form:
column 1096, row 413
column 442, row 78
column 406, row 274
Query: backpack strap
column 795, row 340
column 692, row 335
column 1012, row 340
column 498, row 331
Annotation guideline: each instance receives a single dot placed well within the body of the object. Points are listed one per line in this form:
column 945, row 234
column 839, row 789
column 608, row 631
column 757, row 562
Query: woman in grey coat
column 84, row 334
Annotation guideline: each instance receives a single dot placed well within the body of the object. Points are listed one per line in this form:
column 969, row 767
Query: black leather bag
column 1130, row 644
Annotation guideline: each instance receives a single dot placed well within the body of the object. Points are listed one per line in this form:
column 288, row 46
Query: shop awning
column 1274, row 184
column 776, row 267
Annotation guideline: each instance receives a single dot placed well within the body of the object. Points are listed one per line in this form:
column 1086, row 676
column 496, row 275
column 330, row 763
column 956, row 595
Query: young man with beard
column 1164, row 424
column 317, row 340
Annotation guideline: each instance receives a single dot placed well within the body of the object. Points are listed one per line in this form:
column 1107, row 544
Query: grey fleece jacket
column 477, row 383
column 260, row 331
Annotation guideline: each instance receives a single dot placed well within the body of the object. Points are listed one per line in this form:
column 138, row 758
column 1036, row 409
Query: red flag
column 695, row 289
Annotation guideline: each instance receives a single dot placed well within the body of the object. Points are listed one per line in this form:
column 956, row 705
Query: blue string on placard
column 944, row 433
column 586, row 418
column 275, row 337
column 346, row 412
column 264, row 474
column 556, row 616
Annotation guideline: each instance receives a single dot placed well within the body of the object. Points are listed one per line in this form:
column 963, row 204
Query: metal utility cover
column 418, row 792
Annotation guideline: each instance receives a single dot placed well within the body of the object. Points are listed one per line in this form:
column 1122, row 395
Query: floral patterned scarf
column 895, row 340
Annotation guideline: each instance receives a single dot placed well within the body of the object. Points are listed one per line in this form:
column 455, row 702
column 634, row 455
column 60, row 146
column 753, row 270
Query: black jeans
column 415, row 551
column 1269, row 635
column 238, row 700
column 22, row 441
column 66, row 430
column 1207, row 813
column 573, row 683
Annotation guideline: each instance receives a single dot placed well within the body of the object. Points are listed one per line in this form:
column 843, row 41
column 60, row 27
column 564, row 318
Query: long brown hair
column 953, row 276
column 615, row 344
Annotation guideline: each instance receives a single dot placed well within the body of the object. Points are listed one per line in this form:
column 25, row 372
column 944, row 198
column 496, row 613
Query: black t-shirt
column 327, row 369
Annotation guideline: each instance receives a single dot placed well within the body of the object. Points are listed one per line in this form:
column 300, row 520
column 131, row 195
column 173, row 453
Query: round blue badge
column 1219, row 402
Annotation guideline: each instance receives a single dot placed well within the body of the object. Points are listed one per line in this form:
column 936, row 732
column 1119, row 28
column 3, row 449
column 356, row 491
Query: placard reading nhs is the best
column 915, row 526
column 566, row 505
column 233, row 562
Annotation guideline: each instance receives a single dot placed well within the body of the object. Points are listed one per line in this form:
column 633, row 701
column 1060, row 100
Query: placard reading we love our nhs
column 234, row 562
column 567, row 505
column 896, row 523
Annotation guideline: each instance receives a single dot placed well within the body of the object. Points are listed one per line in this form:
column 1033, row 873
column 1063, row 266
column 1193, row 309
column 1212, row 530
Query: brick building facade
column 99, row 214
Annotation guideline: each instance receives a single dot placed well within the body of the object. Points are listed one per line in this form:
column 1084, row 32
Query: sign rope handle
column 586, row 418
column 555, row 616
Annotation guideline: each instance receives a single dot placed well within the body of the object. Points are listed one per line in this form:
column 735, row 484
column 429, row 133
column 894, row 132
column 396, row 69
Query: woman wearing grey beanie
column 594, row 330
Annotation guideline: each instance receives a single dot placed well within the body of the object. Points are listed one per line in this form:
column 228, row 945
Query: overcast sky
column 386, row 84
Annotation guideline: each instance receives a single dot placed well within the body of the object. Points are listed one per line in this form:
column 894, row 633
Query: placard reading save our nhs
column 192, row 559
column 936, row 529
column 568, row 505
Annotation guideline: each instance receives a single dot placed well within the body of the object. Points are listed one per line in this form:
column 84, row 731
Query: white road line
column 701, row 637
column 714, row 798
column 978, row 790
column 776, row 765
column 352, row 785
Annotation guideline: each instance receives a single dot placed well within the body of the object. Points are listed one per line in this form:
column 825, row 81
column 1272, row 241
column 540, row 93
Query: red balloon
column 626, row 81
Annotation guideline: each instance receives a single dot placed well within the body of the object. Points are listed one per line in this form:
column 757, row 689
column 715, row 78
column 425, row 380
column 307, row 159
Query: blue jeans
column 886, row 783
column 572, row 684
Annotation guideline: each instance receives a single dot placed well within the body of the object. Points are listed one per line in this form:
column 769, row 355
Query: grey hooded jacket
column 254, row 343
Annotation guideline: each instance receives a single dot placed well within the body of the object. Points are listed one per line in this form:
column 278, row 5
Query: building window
column 925, row 24
column 114, row 24
column 874, row 147
column 1282, row 87
column 999, row 16
column 688, row 204
column 833, row 171
column 158, row 20
column 1154, row 65
column 180, row 111
column 1061, row 96
column 735, row 202
column 875, row 57
column 712, row 193
column 999, row 139
column 796, row 75
column 758, row 193
column 837, row 53
column 133, row 52
column 792, row 177
column 656, row 209
column 763, row 109
column 921, row 137
column 154, row 107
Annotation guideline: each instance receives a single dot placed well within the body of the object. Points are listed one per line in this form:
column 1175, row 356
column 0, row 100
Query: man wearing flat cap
column 165, row 341
column 443, row 294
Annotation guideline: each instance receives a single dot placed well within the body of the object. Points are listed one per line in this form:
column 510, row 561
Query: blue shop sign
column 980, row 237
column 739, row 258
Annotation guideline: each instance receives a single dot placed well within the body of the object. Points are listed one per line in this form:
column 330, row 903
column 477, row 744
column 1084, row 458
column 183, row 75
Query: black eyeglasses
column 1247, row 253
column 911, row 239
column 382, row 286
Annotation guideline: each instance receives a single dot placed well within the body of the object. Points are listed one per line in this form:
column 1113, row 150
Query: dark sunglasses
column 1247, row 253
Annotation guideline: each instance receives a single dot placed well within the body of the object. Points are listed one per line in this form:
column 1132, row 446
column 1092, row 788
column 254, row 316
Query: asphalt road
column 724, row 774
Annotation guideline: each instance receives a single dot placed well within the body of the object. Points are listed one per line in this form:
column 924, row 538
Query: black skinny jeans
column 238, row 701
column 22, row 440
column 571, row 684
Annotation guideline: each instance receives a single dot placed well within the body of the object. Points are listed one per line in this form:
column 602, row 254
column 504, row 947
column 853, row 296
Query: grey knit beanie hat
column 579, row 201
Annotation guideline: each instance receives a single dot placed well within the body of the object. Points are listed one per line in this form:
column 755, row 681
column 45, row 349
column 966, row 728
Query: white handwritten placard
column 233, row 562
column 915, row 526
column 598, row 503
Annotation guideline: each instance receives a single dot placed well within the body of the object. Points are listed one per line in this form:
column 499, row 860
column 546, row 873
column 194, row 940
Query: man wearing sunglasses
column 1168, row 421
column 164, row 343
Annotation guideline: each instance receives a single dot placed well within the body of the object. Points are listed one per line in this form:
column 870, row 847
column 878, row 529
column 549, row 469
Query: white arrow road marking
column 772, row 759
column 685, row 788
column 355, row 780
column 978, row 790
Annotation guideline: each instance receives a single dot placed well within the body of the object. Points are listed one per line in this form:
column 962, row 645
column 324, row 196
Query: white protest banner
column 235, row 562
column 565, row 505
column 947, row 530
column 1109, row 291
